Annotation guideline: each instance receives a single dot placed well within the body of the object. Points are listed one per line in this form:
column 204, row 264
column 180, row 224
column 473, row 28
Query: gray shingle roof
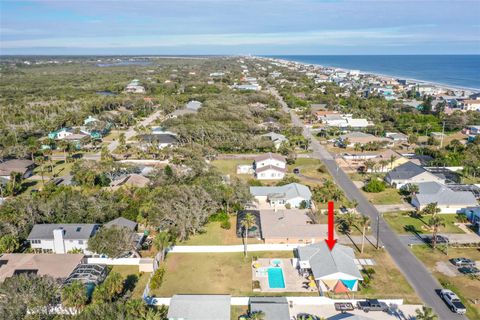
column 199, row 307
column 121, row 222
column 270, row 156
column 407, row 170
column 324, row 262
column 288, row 191
column 275, row 308
column 72, row 231
column 430, row 192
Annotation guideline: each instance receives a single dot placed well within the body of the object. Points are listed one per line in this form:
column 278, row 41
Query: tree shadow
column 130, row 282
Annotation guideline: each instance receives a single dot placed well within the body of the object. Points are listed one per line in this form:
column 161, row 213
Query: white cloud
column 388, row 36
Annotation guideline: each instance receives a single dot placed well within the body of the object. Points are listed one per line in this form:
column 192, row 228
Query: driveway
column 394, row 207
column 423, row 282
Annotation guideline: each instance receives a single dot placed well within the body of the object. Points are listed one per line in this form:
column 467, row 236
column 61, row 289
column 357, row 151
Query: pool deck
column 293, row 281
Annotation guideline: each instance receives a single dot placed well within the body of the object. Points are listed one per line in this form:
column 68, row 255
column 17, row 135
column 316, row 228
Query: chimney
column 58, row 243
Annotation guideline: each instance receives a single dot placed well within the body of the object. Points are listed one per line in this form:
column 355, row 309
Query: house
column 410, row 172
column 294, row 195
column 193, row 105
column 23, row 167
column 60, row 134
column 344, row 121
column 89, row 120
column 199, row 307
column 360, row 138
column 159, row 140
column 397, row 137
column 470, row 104
column 134, row 87
column 61, row 238
column 447, row 200
column 247, row 87
column 473, row 215
column 394, row 159
column 334, row 270
column 290, row 227
column 131, row 180
column 122, row 222
column 57, row 266
column 276, row 138
column 270, row 166
column 472, row 130
column 274, row 308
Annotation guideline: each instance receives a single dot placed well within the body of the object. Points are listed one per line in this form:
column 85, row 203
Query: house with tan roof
column 360, row 138
column 24, row 167
column 270, row 166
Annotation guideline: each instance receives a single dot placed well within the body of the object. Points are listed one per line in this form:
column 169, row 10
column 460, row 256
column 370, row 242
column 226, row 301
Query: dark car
column 296, row 171
column 462, row 262
column 440, row 239
column 469, row 270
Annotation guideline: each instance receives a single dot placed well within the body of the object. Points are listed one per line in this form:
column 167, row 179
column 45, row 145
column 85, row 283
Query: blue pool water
column 275, row 278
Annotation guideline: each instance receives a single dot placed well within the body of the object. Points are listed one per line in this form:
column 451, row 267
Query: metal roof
column 325, row 262
column 199, row 307
column 288, row 191
column 274, row 308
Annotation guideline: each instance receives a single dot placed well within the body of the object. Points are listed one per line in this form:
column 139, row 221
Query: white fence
column 234, row 248
column 120, row 261
column 300, row 301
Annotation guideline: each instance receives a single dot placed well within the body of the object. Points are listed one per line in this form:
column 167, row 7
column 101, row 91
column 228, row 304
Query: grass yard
column 465, row 287
column 213, row 273
column 230, row 167
column 135, row 279
column 215, row 235
column 388, row 282
column 308, row 167
column 388, row 196
column 399, row 220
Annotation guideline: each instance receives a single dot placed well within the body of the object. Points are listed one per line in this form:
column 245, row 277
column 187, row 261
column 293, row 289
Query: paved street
column 426, row 286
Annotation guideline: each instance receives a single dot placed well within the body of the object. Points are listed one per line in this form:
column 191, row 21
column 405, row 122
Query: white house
column 471, row 104
column 473, row 215
column 334, row 270
column 293, row 194
column 412, row 173
column 276, row 138
column 270, row 166
column 61, row 238
column 447, row 200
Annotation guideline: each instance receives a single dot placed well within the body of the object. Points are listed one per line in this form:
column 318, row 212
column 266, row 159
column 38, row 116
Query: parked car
column 469, row 270
column 462, row 262
column 296, row 171
column 372, row 305
column 453, row 301
column 440, row 239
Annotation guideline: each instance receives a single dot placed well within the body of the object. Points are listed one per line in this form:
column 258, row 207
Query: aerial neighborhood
column 235, row 187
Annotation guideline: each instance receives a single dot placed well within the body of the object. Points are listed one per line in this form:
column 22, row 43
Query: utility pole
column 378, row 230
column 443, row 134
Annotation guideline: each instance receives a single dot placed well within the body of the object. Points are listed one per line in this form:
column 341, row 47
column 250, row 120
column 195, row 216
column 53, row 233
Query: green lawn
column 308, row 167
column 465, row 287
column 399, row 220
column 212, row 273
column 215, row 235
column 134, row 278
column 230, row 167
column 388, row 196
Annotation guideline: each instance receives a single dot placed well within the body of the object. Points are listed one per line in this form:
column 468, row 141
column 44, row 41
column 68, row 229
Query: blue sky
column 240, row 27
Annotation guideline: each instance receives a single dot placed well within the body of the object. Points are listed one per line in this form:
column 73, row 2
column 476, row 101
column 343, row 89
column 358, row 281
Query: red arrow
column 331, row 241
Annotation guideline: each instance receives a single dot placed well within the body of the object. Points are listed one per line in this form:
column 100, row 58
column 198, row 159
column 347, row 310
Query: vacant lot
column 401, row 221
column 212, row 273
column 134, row 280
column 388, row 196
column 215, row 235
column 467, row 288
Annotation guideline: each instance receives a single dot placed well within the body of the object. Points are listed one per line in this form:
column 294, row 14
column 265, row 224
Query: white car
column 453, row 301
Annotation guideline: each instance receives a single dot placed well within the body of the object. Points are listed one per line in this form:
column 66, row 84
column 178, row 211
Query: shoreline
column 364, row 72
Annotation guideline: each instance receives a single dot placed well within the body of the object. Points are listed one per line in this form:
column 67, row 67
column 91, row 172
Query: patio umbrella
column 312, row 284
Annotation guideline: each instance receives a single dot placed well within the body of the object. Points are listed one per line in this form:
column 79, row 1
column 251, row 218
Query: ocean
column 452, row 70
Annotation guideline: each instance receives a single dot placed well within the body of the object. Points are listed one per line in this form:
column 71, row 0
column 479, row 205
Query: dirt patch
column 446, row 269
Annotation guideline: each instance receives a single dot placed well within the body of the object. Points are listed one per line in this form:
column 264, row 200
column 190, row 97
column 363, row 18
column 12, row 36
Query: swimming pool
column 275, row 278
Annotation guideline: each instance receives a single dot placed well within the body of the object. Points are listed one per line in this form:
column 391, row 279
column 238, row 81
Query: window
column 78, row 229
column 35, row 241
column 80, row 241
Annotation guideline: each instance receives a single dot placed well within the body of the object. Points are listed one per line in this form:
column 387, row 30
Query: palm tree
column 247, row 223
column 162, row 241
column 430, row 209
column 435, row 222
column 346, row 221
column 256, row 315
column 392, row 160
column 383, row 163
column 425, row 313
column 369, row 164
column 364, row 222
column 74, row 295
column 354, row 205
column 40, row 161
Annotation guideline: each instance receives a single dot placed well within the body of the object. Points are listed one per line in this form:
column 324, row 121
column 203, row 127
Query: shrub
column 288, row 206
column 157, row 278
column 219, row 217
column 374, row 186
column 255, row 183
column 226, row 224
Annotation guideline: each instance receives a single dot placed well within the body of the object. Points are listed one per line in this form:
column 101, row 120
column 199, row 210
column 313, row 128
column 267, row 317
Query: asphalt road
column 425, row 285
